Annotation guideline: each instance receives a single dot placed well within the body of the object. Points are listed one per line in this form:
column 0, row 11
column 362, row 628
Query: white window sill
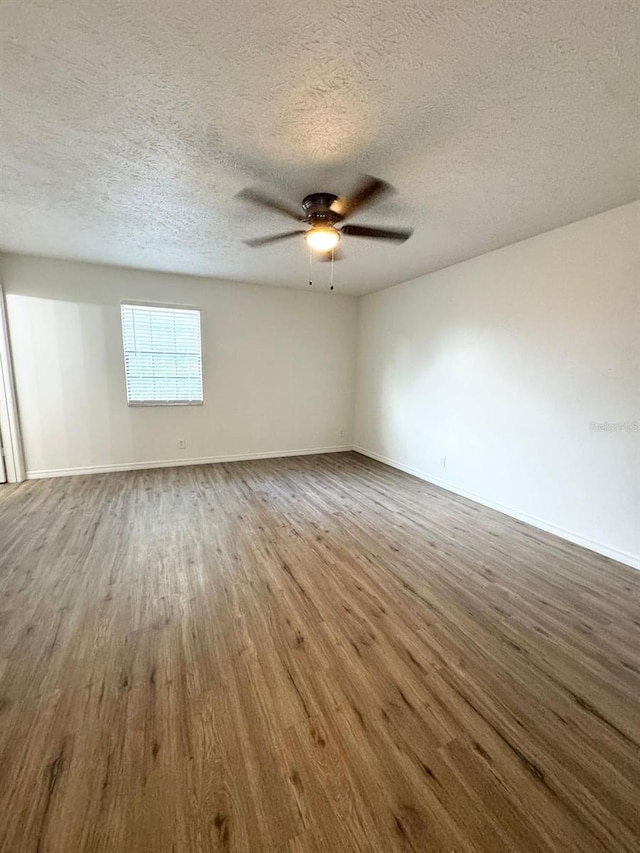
column 145, row 403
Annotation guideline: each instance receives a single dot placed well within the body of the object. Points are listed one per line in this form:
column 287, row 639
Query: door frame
column 9, row 421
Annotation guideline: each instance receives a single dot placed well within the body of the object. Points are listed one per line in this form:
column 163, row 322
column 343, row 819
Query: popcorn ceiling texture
column 128, row 127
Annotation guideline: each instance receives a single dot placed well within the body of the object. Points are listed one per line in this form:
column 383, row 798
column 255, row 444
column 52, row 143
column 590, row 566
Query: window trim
column 144, row 404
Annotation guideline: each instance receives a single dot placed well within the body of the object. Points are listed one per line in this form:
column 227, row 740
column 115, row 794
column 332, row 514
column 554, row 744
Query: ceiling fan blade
column 370, row 190
column 262, row 200
column 397, row 234
column 263, row 241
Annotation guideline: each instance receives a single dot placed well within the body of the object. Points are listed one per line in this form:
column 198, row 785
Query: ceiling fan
column 324, row 212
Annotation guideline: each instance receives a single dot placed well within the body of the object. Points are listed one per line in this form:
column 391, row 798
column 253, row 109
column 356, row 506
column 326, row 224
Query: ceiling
column 128, row 128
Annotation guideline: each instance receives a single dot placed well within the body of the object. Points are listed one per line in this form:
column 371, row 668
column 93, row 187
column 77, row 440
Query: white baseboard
column 613, row 553
column 173, row 463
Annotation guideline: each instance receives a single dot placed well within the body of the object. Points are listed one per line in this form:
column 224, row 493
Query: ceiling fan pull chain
column 332, row 269
column 310, row 263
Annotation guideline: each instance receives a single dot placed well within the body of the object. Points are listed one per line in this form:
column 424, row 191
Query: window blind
column 162, row 355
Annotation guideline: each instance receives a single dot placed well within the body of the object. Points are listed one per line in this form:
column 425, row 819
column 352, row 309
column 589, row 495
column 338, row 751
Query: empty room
column 319, row 426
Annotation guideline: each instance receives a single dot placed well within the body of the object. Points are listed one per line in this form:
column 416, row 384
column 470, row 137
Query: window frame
column 141, row 404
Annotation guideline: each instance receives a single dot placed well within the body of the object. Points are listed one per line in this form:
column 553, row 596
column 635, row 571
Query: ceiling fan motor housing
column 317, row 209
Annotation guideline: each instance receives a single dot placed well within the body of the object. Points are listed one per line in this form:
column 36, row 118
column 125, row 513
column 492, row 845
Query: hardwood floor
column 308, row 654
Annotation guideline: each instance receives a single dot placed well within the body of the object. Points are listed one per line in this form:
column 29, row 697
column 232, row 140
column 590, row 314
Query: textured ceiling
column 128, row 127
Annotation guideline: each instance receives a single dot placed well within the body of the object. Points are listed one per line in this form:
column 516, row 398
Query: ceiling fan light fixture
column 322, row 238
column 322, row 212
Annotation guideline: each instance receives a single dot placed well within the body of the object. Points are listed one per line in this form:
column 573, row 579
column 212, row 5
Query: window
column 162, row 355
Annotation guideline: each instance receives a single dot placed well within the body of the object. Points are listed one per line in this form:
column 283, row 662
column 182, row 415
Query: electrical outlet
column 443, row 461
column 181, row 444
column 341, row 434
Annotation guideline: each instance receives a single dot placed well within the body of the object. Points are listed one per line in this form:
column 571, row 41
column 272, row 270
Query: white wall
column 501, row 364
column 278, row 368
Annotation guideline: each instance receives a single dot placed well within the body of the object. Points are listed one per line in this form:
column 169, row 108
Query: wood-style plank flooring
column 307, row 654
